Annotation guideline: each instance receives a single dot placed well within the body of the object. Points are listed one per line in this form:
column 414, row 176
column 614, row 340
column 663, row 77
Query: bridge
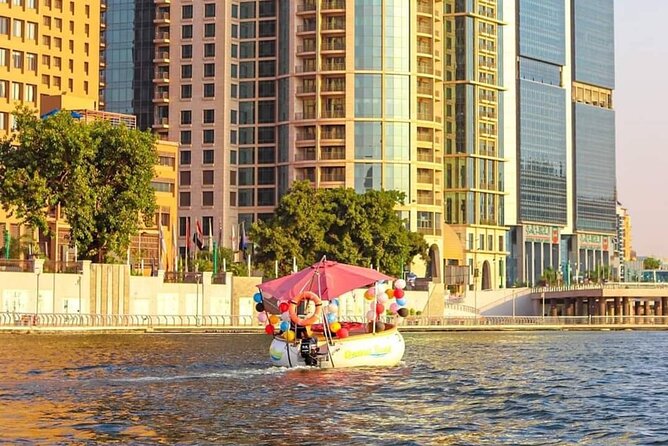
column 612, row 299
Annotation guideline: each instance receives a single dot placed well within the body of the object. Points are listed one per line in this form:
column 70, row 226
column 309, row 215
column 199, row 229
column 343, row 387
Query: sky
column 641, row 104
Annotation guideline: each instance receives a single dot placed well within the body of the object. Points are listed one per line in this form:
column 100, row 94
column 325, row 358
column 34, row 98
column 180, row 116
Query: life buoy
column 294, row 303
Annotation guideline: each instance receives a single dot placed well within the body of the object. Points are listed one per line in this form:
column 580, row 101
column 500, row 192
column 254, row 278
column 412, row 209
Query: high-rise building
column 474, row 150
column 559, row 107
column 623, row 240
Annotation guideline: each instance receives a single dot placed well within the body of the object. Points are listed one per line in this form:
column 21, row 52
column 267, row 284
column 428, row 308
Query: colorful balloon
column 382, row 298
column 285, row 325
column 332, row 308
column 394, row 307
column 331, row 317
column 380, row 309
column 273, row 319
column 262, row 317
column 283, row 307
column 289, row 335
column 401, row 302
column 269, row 329
column 368, row 294
column 259, row 307
column 335, row 327
column 285, row 316
column 398, row 293
column 403, row 312
column 390, row 293
column 399, row 284
column 257, row 297
column 371, row 315
column 342, row 333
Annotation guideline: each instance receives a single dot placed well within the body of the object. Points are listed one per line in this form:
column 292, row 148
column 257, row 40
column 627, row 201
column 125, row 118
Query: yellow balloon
column 368, row 295
column 273, row 319
column 289, row 335
column 335, row 326
column 390, row 293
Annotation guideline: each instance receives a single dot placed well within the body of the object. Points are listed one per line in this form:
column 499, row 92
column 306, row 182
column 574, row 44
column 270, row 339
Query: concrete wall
column 110, row 289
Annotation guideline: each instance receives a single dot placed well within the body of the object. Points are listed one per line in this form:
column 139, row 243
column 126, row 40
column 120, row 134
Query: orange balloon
column 390, row 293
column 273, row 319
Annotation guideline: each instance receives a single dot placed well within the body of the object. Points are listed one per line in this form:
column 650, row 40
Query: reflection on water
column 471, row 388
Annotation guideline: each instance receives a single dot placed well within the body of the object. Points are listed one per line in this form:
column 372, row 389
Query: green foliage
column 98, row 173
column 549, row 277
column 359, row 229
column 651, row 263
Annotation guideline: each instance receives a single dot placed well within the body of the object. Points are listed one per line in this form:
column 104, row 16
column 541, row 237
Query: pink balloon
column 371, row 291
column 262, row 317
column 394, row 307
column 371, row 315
column 382, row 298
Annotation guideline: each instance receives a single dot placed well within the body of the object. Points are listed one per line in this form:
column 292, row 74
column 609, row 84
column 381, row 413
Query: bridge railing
column 74, row 321
column 599, row 286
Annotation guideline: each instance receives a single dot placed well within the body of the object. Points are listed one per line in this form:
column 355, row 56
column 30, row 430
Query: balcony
column 333, row 134
column 306, row 8
column 425, row 116
column 306, row 28
column 302, row 49
column 332, row 5
column 334, row 25
column 334, row 87
column 306, row 68
column 306, row 89
column 161, row 77
column 161, row 97
column 425, row 69
column 161, row 57
column 161, row 37
column 162, row 18
column 424, row 48
column 333, row 66
column 161, row 123
column 333, row 114
column 425, row 8
column 333, row 45
column 299, row 116
column 425, row 89
column 424, row 28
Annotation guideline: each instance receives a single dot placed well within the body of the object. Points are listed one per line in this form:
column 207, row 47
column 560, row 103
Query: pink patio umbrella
column 326, row 278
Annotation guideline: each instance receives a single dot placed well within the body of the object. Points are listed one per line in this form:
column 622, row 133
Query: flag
column 220, row 232
column 175, row 250
column 211, row 235
column 243, row 241
column 234, row 238
column 163, row 246
column 198, row 237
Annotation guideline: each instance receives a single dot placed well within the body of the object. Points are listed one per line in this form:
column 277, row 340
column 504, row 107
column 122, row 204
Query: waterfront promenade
column 88, row 323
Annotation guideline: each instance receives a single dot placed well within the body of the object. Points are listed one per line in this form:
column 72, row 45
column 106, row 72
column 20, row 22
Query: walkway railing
column 598, row 286
column 83, row 321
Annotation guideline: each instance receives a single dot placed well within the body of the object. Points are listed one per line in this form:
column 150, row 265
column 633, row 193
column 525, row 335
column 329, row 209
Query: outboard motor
column 309, row 351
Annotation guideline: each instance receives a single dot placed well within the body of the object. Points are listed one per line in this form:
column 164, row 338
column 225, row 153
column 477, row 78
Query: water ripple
column 452, row 389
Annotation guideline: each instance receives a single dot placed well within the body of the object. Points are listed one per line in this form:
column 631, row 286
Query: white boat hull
column 383, row 349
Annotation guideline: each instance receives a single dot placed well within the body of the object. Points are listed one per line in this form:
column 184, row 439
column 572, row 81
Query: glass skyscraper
column 564, row 215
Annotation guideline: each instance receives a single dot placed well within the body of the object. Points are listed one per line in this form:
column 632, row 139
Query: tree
column 651, row 263
column 360, row 229
column 99, row 174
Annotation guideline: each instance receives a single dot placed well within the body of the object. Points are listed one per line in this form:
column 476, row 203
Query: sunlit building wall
column 474, row 132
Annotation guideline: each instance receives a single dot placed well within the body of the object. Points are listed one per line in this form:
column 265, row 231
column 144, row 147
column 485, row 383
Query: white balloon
column 285, row 316
column 400, row 283
column 371, row 315
column 332, row 308
column 382, row 298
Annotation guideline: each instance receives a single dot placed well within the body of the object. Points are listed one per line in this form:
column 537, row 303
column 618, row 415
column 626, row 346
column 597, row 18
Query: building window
column 185, row 178
column 3, row 89
column 186, row 137
column 186, row 117
column 17, row 59
column 186, row 51
column 209, row 70
column 246, row 197
column 186, row 71
column 207, row 177
column 187, row 12
column 184, row 199
column 209, row 90
column 209, row 30
column 185, row 158
column 17, row 28
column 31, row 91
column 209, row 116
column 266, row 197
column 186, row 91
column 208, row 136
column 207, row 156
column 187, row 31
column 207, row 198
column 209, row 10
column 4, row 25
column 209, row 50
column 31, row 31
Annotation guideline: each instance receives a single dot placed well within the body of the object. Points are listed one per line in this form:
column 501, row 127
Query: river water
column 537, row 388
